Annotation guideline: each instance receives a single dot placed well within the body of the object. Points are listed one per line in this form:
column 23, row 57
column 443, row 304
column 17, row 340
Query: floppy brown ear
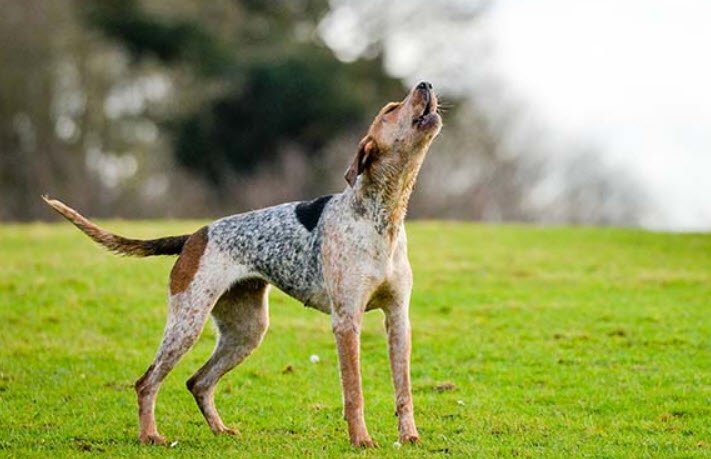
column 367, row 149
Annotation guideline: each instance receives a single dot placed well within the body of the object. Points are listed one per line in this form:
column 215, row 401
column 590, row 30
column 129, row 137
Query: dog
column 342, row 254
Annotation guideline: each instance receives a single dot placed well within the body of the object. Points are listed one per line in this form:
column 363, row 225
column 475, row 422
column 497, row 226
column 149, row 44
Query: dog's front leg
column 397, row 322
column 346, row 328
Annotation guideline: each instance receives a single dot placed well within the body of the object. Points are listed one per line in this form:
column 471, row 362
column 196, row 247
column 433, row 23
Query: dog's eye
column 391, row 108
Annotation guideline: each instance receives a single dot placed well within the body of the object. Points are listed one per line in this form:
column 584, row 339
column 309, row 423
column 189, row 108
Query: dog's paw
column 226, row 431
column 409, row 438
column 153, row 439
column 364, row 442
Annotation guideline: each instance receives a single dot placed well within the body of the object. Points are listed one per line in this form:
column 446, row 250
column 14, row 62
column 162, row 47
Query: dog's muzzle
column 429, row 116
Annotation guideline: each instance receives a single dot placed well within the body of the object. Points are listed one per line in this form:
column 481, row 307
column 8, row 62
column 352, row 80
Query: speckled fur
column 354, row 259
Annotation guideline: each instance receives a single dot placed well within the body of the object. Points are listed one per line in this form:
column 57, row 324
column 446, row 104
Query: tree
column 278, row 84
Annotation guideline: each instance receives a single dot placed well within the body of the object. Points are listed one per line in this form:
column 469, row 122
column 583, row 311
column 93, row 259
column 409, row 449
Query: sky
column 632, row 77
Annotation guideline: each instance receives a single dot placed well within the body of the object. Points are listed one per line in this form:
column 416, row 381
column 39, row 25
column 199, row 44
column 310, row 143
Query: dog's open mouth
column 423, row 118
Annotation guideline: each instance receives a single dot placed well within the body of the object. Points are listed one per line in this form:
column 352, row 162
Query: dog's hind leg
column 187, row 315
column 242, row 318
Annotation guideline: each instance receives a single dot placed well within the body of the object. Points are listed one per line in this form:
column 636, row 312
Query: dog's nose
column 424, row 85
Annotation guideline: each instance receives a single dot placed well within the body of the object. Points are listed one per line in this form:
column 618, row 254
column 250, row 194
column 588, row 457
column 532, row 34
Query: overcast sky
column 631, row 76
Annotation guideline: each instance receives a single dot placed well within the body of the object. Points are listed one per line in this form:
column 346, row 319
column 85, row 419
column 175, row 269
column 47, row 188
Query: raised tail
column 172, row 245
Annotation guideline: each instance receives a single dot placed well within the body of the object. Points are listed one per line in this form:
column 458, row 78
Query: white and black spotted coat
column 280, row 244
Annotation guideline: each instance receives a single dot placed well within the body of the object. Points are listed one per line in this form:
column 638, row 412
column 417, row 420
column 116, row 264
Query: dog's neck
column 382, row 193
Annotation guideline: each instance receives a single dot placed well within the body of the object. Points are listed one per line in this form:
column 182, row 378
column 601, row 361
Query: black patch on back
column 309, row 212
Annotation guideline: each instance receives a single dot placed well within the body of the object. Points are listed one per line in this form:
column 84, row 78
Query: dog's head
column 401, row 130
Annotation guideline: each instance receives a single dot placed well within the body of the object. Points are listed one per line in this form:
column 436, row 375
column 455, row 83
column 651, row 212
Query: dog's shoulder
column 308, row 213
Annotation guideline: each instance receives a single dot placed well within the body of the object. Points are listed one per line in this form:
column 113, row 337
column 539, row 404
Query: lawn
column 528, row 341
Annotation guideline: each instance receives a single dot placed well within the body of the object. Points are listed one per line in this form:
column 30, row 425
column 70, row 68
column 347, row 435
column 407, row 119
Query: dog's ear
column 367, row 149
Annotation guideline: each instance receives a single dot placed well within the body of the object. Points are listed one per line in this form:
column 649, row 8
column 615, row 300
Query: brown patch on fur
column 348, row 343
column 187, row 265
column 367, row 150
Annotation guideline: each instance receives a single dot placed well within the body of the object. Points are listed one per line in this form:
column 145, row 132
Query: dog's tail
column 172, row 245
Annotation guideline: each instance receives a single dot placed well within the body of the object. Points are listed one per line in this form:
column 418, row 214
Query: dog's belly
column 316, row 299
column 301, row 284
column 320, row 301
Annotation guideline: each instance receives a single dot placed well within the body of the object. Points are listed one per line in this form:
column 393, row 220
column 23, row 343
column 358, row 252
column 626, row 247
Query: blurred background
column 556, row 111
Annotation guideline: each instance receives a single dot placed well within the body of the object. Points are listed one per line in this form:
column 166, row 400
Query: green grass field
column 528, row 341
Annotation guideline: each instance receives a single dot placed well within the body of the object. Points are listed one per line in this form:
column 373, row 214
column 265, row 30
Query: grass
column 528, row 341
